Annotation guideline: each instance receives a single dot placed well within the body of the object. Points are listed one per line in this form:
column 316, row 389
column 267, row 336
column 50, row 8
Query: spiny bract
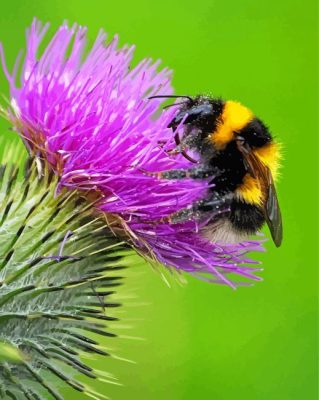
column 58, row 265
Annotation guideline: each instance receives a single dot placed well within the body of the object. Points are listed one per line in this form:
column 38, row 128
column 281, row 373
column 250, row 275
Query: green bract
column 58, row 266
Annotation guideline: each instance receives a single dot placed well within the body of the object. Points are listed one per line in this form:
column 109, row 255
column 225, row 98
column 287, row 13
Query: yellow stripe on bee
column 234, row 117
column 270, row 156
column 250, row 191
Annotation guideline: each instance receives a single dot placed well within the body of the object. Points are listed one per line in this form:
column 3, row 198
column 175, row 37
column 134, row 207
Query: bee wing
column 271, row 209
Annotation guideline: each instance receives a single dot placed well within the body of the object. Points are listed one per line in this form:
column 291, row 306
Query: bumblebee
column 238, row 154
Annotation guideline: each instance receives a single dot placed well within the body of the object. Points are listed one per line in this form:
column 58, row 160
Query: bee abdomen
column 246, row 217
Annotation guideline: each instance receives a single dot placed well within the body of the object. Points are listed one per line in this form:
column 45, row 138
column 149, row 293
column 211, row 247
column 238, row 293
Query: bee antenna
column 170, row 96
column 173, row 105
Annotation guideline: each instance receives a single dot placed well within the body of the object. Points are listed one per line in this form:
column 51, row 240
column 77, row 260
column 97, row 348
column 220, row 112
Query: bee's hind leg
column 198, row 172
column 211, row 207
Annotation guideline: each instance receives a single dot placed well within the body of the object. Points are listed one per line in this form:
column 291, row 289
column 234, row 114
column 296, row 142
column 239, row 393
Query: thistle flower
column 90, row 118
column 91, row 133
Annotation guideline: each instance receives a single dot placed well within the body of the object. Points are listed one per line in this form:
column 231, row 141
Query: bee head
column 200, row 112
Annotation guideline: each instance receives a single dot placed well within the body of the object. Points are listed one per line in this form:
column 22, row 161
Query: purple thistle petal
column 88, row 114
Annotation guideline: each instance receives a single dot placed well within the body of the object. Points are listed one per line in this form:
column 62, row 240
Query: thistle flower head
column 88, row 114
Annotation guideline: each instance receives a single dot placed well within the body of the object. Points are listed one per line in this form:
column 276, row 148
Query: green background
column 202, row 341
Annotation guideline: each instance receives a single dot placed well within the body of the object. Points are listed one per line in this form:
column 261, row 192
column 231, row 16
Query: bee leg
column 199, row 172
column 181, row 149
column 212, row 206
column 217, row 203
